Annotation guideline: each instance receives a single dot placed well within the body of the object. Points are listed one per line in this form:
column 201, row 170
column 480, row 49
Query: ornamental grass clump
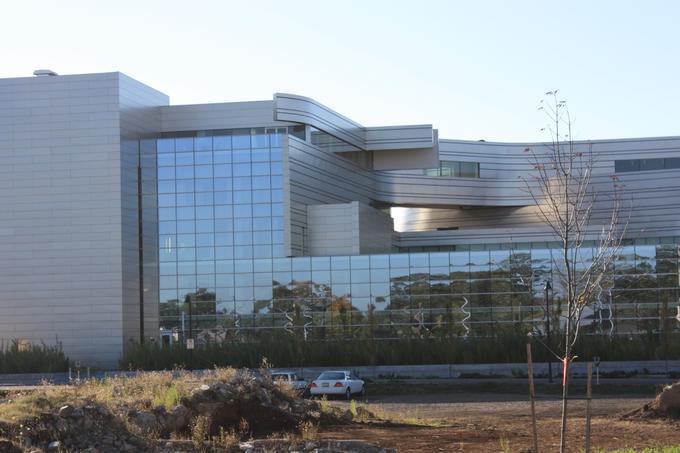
column 18, row 356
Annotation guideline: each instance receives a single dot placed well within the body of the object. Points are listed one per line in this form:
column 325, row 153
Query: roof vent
column 44, row 72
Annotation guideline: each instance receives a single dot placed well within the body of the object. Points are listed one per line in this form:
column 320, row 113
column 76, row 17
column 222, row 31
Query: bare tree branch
column 567, row 194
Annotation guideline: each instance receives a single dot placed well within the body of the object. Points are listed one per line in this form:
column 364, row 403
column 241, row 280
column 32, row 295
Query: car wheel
column 362, row 393
column 348, row 393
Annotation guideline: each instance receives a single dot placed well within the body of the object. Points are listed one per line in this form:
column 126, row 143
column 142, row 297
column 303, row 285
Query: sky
column 473, row 69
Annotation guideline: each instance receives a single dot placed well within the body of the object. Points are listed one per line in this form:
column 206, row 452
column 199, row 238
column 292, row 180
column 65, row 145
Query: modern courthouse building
column 119, row 211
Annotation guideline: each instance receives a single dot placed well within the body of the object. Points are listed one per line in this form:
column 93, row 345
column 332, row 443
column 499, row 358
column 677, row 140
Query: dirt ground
column 491, row 422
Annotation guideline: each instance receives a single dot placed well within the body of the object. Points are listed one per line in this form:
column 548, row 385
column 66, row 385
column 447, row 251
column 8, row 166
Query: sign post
column 190, row 348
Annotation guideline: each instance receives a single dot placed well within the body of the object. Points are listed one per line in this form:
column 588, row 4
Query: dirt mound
column 244, row 400
column 242, row 405
column 665, row 405
column 264, row 406
column 74, row 428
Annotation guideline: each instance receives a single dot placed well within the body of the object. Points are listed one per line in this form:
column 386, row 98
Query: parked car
column 292, row 379
column 342, row 383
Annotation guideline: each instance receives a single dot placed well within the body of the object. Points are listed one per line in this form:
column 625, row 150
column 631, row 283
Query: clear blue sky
column 474, row 69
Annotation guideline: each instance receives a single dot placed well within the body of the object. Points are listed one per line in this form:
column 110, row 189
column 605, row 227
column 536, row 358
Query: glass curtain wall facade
column 221, row 250
column 220, row 206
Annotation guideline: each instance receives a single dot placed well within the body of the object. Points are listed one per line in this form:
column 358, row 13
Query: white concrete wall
column 317, row 177
column 196, row 117
column 333, row 229
column 66, row 230
column 375, row 230
column 348, row 229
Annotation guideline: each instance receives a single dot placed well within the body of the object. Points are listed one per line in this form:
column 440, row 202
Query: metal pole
column 191, row 333
column 546, row 289
column 187, row 300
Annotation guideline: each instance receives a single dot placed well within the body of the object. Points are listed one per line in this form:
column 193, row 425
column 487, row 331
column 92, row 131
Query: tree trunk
column 565, row 381
column 565, row 391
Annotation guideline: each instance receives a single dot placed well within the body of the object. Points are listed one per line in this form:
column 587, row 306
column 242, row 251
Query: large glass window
column 660, row 163
column 220, row 207
column 449, row 168
column 204, row 227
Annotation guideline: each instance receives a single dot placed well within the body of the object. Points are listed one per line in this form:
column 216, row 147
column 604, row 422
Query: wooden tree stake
column 589, row 396
column 532, row 397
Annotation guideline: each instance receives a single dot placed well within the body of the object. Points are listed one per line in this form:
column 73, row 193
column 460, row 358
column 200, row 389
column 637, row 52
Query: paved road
column 14, row 380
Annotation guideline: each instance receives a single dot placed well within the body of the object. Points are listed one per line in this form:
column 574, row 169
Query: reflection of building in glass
column 284, row 214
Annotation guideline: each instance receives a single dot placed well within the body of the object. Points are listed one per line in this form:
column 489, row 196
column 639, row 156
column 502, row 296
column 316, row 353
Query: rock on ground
column 7, row 446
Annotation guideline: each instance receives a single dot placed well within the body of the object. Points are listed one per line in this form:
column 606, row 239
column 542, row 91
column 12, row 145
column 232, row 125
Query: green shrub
column 16, row 357
column 506, row 345
column 168, row 398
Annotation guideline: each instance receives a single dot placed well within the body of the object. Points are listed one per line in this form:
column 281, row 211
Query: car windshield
column 277, row 376
column 331, row 376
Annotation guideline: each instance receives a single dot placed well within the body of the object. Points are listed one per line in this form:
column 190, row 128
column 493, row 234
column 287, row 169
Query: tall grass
column 168, row 397
column 17, row 357
column 285, row 350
